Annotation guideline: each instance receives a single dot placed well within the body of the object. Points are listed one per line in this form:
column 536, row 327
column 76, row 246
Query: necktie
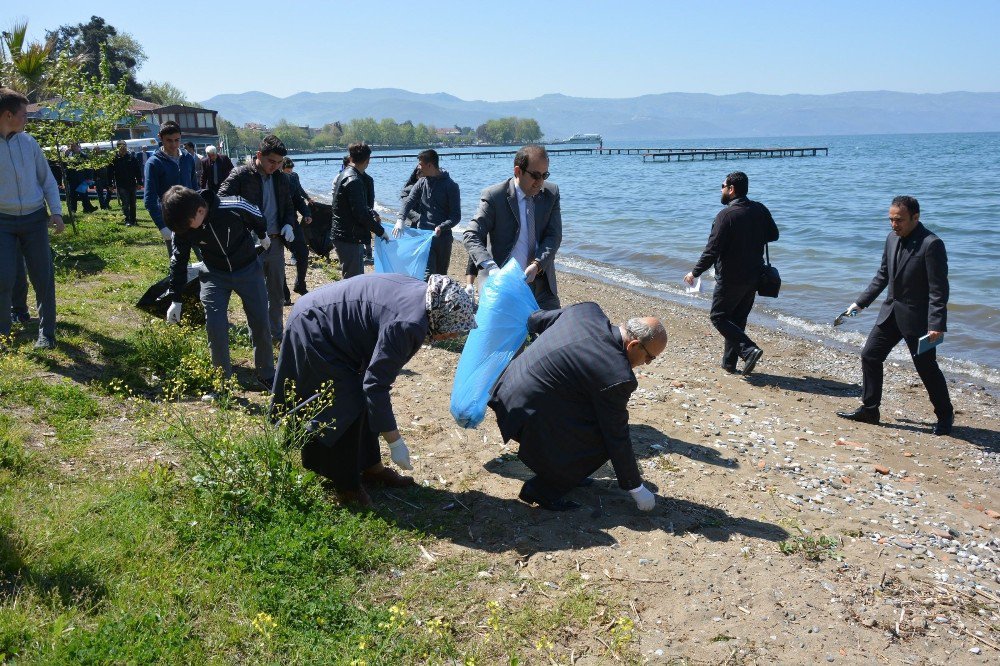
column 529, row 223
column 899, row 254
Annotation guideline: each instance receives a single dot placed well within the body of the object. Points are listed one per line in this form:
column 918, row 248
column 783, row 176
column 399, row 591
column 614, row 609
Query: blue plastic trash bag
column 407, row 254
column 502, row 327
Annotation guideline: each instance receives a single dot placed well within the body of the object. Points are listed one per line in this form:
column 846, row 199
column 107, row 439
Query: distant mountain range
column 662, row 116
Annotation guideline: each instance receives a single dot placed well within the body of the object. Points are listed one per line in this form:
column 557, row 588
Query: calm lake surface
column 643, row 225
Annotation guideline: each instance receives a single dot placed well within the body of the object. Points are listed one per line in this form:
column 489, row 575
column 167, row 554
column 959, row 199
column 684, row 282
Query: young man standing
column 126, row 174
column 436, row 200
column 224, row 230
column 168, row 166
column 354, row 216
column 26, row 186
column 264, row 185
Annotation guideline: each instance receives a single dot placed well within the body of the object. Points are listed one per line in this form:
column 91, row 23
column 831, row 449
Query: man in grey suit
column 915, row 268
column 520, row 218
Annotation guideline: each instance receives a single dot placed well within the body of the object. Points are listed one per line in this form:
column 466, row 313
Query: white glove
column 491, row 268
column 398, row 229
column 265, row 241
column 174, row 313
column 470, row 289
column 288, row 233
column 853, row 310
column 400, row 454
column 166, row 233
column 644, row 499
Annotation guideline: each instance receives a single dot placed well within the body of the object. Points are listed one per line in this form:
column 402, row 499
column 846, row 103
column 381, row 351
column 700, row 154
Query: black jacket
column 247, row 182
column 225, row 238
column 918, row 285
column 353, row 207
column 565, row 397
column 125, row 170
column 736, row 242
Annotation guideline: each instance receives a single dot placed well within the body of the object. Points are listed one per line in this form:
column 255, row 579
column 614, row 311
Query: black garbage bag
column 318, row 233
column 157, row 298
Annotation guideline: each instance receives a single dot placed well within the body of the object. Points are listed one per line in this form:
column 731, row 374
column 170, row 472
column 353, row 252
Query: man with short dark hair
column 435, row 199
column 215, row 168
column 915, row 269
column 224, row 229
column 193, row 152
column 298, row 247
column 736, row 248
column 264, row 185
column 564, row 399
column 126, row 175
column 168, row 166
column 26, row 186
column 521, row 219
column 354, row 216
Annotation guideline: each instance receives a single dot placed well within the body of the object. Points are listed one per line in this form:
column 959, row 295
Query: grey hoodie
column 26, row 181
column 436, row 200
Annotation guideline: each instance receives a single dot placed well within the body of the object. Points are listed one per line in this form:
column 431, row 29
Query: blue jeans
column 29, row 234
column 19, row 295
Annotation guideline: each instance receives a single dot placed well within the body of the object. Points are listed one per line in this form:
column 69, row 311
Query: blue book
column 924, row 343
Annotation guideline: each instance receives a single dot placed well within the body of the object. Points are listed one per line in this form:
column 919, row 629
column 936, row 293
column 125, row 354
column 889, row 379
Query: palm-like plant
column 25, row 66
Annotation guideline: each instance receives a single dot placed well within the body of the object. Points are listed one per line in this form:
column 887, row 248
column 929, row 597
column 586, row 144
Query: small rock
column 881, row 469
column 995, row 515
column 975, row 650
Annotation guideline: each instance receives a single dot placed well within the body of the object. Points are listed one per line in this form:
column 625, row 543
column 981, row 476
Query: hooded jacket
column 436, row 200
column 26, row 181
column 162, row 173
column 225, row 238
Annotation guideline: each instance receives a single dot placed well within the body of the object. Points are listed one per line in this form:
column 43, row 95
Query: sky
column 506, row 50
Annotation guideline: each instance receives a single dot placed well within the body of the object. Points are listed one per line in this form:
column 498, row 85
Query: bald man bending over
column 564, row 400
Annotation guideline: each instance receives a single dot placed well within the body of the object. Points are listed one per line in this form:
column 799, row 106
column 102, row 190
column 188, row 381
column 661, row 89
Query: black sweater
column 225, row 239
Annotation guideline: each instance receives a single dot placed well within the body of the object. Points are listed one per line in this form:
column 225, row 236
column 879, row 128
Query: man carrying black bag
column 736, row 248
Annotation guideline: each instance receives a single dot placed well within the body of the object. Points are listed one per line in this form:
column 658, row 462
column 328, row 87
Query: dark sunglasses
column 536, row 175
column 649, row 356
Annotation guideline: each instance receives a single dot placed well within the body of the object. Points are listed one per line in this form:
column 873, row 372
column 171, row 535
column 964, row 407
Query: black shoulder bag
column 770, row 281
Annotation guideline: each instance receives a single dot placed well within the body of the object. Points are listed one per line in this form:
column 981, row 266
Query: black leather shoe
column 751, row 360
column 943, row 426
column 300, row 289
column 731, row 369
column 862, row 415
column 528, row 496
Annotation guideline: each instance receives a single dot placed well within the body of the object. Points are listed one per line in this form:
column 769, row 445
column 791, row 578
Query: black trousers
column 880, row 342
column 343, row 456
column 731, row 305
column 440, row 257
column 300, row 251
column 126, row 197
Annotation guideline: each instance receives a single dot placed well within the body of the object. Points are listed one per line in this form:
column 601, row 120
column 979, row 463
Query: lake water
column 643, row 225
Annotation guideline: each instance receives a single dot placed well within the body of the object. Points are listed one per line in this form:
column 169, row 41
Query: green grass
column 231, row 552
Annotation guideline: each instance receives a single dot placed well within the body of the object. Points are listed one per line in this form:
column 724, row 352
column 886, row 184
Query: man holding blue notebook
column 915, row 269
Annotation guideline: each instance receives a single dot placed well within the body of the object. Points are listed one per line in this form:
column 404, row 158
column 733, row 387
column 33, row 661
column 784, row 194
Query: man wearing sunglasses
column 520, row 219
column 564, row 399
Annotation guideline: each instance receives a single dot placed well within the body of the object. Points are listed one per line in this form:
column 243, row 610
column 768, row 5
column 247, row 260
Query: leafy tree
column 510, row 130
column 24, row 66
column 330, row 135
column 292, row 136
column 165, row 93
column 124, row 53
column 85, row 109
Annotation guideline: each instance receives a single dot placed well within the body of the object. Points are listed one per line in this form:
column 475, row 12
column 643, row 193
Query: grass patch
column 814, row 548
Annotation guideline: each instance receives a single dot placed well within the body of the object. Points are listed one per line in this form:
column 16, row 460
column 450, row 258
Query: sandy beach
column 904, row 524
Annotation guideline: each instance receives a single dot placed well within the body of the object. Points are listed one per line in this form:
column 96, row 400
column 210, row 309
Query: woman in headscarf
column 355, row 336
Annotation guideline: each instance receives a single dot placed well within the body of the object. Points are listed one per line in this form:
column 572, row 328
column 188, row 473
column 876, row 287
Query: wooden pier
column 679, row 154
column 648, row 154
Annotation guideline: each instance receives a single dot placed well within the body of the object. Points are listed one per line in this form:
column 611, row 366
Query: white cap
column 210, row 150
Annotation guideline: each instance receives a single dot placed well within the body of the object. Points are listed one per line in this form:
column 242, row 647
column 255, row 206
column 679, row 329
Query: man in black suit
column 915, row 268
column 564, row 400
column 736, row 248
column 521, row 219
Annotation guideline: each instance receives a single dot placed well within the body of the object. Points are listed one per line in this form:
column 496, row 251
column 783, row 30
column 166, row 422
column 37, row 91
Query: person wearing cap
column 355, row 336
column 564, row 399
column 215, row 168
column 126, row 174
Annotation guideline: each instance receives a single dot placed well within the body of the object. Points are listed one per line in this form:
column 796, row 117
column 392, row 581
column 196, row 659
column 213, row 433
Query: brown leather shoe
column 354, row 498
column 389, row 478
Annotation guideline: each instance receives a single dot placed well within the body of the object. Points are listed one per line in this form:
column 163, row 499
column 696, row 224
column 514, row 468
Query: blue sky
column 483, row 50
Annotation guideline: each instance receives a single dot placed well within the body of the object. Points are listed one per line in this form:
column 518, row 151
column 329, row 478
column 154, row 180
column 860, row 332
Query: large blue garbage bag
column 407, row 254
column 502, row 327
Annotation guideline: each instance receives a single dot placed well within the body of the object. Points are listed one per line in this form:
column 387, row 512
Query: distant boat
column 580, row 138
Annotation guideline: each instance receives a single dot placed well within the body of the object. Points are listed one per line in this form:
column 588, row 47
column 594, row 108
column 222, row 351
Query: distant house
column 449, row 131
column 259, row 127
column 197, row 125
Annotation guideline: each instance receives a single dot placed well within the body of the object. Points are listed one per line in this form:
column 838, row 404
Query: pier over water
column 648, row 154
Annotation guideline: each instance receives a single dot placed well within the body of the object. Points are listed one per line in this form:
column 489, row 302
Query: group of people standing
column 563, row 398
